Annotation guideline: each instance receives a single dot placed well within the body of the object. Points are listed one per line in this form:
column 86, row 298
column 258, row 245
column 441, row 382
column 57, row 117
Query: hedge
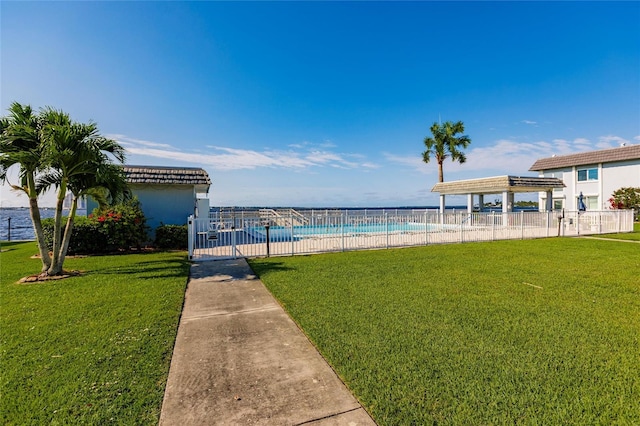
column 171, row 237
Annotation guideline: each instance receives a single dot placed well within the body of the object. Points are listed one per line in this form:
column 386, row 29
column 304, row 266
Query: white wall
column 564, row 193
column 611, row 176
column 619, row 175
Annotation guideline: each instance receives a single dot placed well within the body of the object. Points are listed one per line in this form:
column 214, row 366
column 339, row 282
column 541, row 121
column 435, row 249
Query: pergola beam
column 505, row 185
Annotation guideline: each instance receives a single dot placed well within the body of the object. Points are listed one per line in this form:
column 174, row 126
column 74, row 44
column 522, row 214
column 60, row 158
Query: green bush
column 86, row 236
column 172, row 237
column 108, row 230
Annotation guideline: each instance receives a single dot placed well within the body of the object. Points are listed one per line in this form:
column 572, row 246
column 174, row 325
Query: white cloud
column 583, row 143
column 299, row 156
column 529, row 122
column 328, row 144
column 368, row 165
column 125, row 141
column 505, row 156
column 412, row 161
column 611, row 141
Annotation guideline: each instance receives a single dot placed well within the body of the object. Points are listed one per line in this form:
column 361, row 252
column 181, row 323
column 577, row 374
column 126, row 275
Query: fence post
column 233, row 238
column 493, row 226
column 190, row 235
column 342, row 229
column 8, row 229
column 522, row 224
column 599, row 222
column 266, row 227
column 386, row 225
column 426, row 228
column 293, row 245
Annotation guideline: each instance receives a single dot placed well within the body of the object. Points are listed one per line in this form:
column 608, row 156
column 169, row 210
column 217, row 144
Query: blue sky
column 328, row 103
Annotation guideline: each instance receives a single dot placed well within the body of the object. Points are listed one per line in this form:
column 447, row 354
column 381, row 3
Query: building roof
column 167, row 175
column 498, row 184
column 624, row 153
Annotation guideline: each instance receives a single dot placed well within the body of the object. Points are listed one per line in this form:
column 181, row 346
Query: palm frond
column 445, row 143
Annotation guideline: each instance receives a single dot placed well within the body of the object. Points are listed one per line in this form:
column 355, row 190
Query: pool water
column 281, row 232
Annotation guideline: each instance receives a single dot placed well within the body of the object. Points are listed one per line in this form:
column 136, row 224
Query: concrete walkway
column 240, row 360
column 610, row 239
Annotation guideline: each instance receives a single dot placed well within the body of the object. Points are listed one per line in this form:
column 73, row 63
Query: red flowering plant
column 626, row 198
column 111, row 229
column 122, row 226
column 615, row 204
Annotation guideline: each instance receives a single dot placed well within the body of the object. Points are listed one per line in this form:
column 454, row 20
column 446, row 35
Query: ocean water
column 21, row 225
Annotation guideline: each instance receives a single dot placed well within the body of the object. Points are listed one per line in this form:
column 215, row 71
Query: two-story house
column 595, row 174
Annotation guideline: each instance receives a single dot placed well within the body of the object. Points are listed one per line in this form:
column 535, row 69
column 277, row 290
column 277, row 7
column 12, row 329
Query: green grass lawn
column 510, row 332
column 633, row 236
column 93, row 349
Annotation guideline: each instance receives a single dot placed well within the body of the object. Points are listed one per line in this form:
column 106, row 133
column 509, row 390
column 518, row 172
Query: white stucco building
column 595, row 174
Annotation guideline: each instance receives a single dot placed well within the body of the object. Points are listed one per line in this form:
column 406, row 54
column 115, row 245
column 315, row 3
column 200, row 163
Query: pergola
column 505, row 185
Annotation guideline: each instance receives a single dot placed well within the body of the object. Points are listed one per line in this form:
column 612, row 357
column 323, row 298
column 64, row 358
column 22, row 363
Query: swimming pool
column 282, row 233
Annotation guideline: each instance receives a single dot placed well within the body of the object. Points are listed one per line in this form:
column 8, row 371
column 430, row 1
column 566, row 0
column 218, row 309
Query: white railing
column 248, row 234
column 281, row 217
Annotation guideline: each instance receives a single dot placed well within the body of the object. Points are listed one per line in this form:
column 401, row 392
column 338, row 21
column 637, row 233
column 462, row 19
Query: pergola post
column 549, row 203
column 481, row 202
column 469, row 203
column 505, row 208
column 442, row 208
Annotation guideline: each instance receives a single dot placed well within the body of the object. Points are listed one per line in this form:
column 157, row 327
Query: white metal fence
column 267, row 232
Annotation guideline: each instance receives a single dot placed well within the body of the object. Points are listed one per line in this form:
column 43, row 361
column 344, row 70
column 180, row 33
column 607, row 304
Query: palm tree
column 21, row 144
column 104, row 181
column 80, row 163
column 445, row 143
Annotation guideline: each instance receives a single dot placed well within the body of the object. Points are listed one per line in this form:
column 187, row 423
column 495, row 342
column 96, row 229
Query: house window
column 558, row 204
column 591, row 202
column 587, row 174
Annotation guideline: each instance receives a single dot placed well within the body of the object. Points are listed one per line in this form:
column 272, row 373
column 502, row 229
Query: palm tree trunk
column 440, row 172
column 34, row 212
column 67, row 231
column 56, row 267
column 37, row 228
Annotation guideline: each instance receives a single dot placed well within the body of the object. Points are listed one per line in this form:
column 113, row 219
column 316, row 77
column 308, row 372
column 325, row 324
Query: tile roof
column 497, row 184
column 624, row 153
column 166, row 175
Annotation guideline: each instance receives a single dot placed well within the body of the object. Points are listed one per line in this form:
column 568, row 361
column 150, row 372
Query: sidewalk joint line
column 218, row 314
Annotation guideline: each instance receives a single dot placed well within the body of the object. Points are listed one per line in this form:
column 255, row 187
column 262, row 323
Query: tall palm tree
column 445, row 144
column 80, row 162
column 21, row 144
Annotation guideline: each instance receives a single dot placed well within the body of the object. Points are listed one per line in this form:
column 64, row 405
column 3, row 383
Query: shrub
column 86, row 236
column 626, row 198
column 111, row 229
column 172, row 237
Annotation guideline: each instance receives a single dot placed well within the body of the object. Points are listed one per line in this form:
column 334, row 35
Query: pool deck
column 365, row 241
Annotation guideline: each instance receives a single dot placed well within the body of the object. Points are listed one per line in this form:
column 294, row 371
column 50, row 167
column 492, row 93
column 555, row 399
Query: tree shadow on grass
column 262, row 268
column 150, row 269
column 6, row 245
